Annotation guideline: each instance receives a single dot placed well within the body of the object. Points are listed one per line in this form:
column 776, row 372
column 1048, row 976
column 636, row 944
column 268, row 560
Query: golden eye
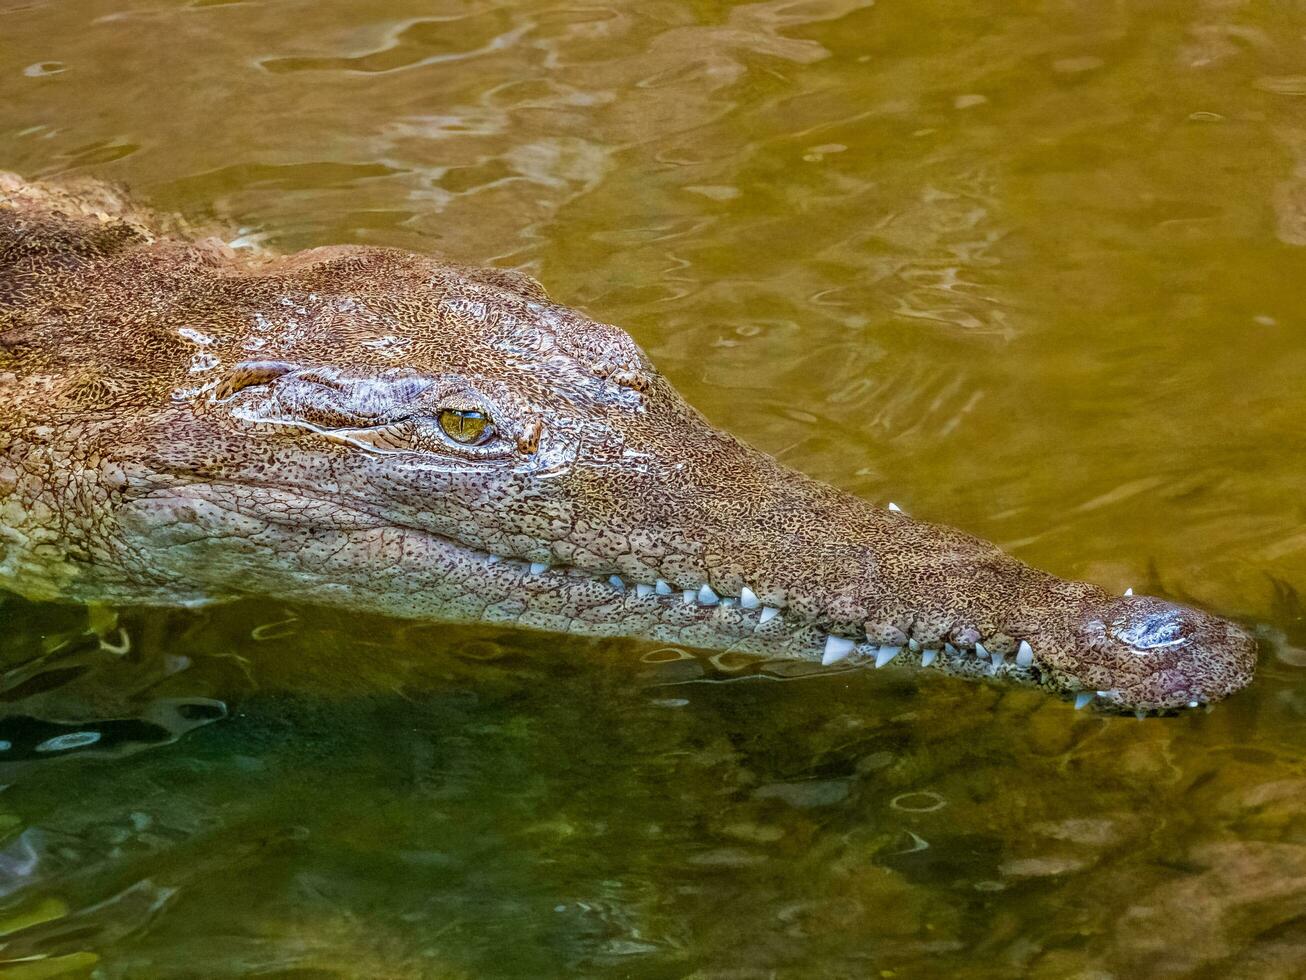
column 471, row 428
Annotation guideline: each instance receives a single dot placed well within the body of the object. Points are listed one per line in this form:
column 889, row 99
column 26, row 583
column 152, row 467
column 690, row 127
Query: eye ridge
column 466, row 426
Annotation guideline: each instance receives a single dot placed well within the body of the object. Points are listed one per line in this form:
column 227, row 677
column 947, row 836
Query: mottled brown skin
column 181, row 422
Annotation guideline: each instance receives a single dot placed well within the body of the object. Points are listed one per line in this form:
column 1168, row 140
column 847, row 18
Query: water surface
column 1035, row 270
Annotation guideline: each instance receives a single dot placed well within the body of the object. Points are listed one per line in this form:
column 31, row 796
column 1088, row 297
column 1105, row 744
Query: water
column 1034, row 270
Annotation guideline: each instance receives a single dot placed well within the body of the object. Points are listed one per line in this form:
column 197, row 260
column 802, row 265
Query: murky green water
column 1036, row 270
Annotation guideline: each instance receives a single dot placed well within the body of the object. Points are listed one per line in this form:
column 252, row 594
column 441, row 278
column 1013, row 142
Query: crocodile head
column 388, row 432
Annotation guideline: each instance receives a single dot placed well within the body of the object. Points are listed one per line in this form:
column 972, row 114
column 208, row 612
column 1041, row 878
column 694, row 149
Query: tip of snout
column 1140, row 653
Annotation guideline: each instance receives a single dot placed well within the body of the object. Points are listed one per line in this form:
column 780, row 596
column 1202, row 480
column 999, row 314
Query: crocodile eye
column 471, row 428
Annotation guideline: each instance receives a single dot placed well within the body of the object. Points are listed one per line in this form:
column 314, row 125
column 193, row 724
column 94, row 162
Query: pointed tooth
column 998, row 660
column 981, row 651
column 894, row 507
column 688, row 596
column 643, row 590
column 748, row 598
column 768, row 613
column 1025, row 655
column 885, row 654
column 1082, row 699
column 952, row 651
column 662, row 588
column 927, row 657
column 1194, row 704
column 1140, row 714
column 914, row 646
column 617, row 583
column 836, row 649
column 493, row 559
column 539, row 567
column 706, row 596
column 728, row 601
column 1129, row 591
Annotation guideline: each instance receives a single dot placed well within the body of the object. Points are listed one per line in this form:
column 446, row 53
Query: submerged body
column 181, row 422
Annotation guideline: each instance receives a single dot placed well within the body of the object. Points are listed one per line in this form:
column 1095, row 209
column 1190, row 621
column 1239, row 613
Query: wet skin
column 181, row 422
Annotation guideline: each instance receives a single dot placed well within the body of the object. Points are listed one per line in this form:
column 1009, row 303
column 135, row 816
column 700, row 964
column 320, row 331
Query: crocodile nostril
column 1152, row 654
column 1154, row 631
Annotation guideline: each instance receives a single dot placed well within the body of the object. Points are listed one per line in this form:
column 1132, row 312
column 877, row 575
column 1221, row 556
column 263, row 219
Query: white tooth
column 894, row 507
column 952, row 651
column 727, row 601
column 748, row 598
column 885, row 654
column 706, row 596
column 688, row 596
column 768, row 614
column 616, row 582
column 492, row 559
column 539, row 567
column 1082, row 699
column 980, row 651
column 642, row 590
column 836, row 649
column 1140, row 714
column 928, row 656
column 1129, row 591
column 1194, row 704
column 662, row 588
column 1025, row 655
column 914, row 646
column 998, row 660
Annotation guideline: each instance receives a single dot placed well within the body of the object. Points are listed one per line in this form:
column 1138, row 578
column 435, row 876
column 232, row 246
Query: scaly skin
column 181, row 422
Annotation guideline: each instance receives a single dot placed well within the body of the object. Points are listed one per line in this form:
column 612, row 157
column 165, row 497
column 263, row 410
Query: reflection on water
column 1032, row 271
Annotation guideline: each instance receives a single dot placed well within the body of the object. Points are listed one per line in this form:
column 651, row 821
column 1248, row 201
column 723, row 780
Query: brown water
column 1035, row 270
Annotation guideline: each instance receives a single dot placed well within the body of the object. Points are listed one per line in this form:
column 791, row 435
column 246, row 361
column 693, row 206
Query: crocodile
column 184, row 420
